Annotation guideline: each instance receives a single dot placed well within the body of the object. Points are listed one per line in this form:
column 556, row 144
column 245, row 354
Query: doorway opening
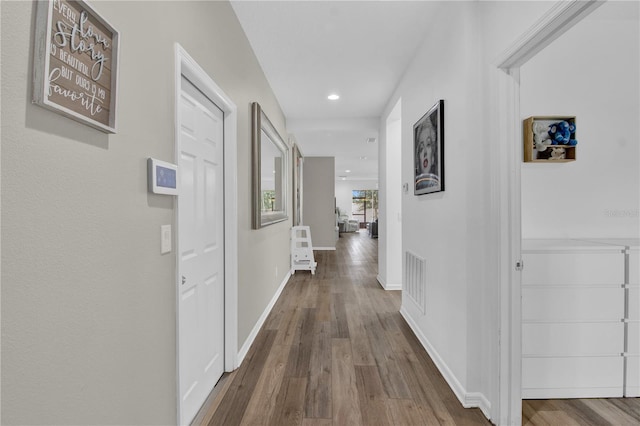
column 560, row 18
column 364, row 206
column 390, row 252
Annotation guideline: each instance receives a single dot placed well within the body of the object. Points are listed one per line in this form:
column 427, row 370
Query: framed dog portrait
column 428, row 151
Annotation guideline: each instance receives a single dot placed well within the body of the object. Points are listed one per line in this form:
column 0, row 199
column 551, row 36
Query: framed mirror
column 270, row 164
column 297, row 185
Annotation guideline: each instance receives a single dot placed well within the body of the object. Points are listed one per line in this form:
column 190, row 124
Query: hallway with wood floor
column 336, row 351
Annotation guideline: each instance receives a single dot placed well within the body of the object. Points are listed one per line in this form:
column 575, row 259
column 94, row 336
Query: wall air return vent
column 415, row 269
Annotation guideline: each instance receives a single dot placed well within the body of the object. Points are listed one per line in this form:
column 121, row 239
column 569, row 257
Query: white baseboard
column 388, row 286
column 477, row 399
column 467, row 399
column 252, row 336
column 632, row 392
column 323, row 248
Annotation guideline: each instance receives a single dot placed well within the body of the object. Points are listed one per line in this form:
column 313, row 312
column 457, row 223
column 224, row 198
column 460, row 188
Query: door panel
column 201, row 249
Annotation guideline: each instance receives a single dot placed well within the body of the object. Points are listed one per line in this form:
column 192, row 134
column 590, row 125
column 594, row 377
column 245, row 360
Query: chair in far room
column 372, row 228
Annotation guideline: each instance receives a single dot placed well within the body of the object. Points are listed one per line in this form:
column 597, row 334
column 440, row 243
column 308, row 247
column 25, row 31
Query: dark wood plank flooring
column 581, row 412
column 336, row 351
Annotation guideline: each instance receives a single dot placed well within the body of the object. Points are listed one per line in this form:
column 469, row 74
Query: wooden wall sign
column 76, row 63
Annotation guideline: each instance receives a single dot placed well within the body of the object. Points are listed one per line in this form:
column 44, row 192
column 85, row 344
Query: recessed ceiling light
column 343, row 177
column 333, row 97
column 364, row 157
column 347, row 171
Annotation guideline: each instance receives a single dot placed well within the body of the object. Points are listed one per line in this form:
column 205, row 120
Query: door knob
column 184, row 280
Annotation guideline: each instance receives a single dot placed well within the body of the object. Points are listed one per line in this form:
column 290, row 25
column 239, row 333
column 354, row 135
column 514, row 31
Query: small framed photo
column 428, row 151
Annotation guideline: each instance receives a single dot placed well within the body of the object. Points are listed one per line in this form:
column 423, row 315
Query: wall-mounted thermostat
column 162, row 177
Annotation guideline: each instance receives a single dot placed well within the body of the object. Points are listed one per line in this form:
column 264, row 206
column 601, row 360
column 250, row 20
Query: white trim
column 560, row 18
column 478, row 400
column 323, row 248
column 388, row 286
column 506, row 198
column 467, row 399
column 510, row 360
column 187, row 66
column 256, row 328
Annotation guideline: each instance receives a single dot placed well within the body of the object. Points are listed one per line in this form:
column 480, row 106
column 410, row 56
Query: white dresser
column 580, row 318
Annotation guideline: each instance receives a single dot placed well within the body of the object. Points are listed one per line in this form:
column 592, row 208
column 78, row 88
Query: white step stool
column 302, row 250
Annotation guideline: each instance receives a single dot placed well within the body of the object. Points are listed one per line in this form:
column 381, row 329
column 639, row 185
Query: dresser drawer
column 633, row 338
column 573, row 268
column 634, row 303
column 571, row 377
column 572, row 303
column 633, row 376
column 575, row 339
column 634, row 267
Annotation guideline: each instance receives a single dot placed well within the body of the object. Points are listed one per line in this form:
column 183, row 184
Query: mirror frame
column 261, row 123
column 297, row 164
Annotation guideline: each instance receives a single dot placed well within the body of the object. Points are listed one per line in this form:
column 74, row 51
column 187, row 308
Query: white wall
column 88, row 302
column 455, row 230
column 434, row 225
column 599, row 194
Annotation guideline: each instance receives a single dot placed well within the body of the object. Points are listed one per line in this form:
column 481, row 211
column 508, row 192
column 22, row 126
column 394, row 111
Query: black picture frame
column 428, row 151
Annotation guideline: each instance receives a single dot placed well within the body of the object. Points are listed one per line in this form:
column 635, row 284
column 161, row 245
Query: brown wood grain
column 323, row 308
column 390, row 372
column 316, row 422
column 611, row 413
column 362, row 354
column 346, row 405
column 373, row 398
column 296, row 373
column 318, row 402
column 263, row 400
column 234, row 403
column 407, row 412
column 300, row 353
column 289, row 408
column 288, row 327
column 339, row 324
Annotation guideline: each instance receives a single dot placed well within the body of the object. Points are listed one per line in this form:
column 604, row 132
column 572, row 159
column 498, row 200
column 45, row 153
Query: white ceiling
column 357, row 49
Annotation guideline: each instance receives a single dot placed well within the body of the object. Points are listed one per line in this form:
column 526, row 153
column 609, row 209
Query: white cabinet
column 632, row 313
column 580, row 319
column 632, row 367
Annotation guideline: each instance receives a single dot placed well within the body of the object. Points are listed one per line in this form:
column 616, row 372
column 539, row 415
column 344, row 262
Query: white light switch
column 165, row 239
